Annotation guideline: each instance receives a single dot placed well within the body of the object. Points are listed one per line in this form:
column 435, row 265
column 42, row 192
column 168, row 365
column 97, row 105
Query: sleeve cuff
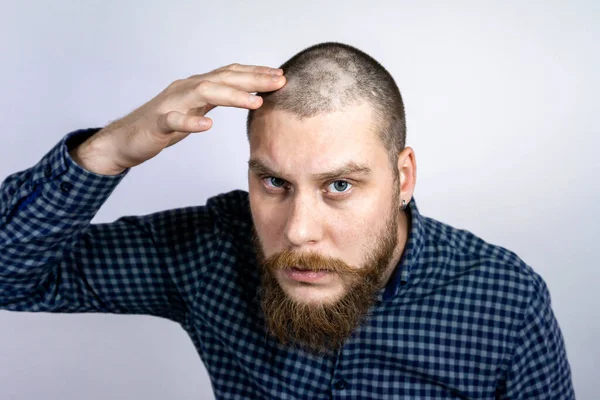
column 66, row 184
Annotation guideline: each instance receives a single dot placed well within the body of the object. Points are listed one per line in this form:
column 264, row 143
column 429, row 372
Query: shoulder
column 486, row 273
column 232, row 206
column 232, row 215
column 188, row 229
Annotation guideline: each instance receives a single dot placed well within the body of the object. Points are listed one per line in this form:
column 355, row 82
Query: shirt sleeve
column 53, row 260
column 539, row 368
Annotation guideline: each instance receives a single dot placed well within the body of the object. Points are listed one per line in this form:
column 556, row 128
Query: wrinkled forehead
column 313, row 144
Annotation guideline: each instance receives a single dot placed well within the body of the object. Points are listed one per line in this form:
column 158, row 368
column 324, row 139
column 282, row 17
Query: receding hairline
column 360, row 103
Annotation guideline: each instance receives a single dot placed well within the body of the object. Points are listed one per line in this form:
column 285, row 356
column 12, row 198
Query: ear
column 407, row 168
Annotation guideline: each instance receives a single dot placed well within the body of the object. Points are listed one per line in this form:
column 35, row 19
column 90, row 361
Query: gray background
column 502, row 111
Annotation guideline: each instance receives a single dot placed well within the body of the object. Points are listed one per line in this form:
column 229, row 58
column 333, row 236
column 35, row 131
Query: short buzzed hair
column 331, row 76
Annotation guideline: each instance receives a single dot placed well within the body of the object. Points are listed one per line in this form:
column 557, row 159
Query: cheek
column 357, row 232
column 350, row 234
column 268, row 222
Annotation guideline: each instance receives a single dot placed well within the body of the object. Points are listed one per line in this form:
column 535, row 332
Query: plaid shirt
column 459, row 319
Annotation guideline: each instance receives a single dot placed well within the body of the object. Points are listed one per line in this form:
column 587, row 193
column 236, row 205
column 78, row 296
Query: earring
column 403, row 207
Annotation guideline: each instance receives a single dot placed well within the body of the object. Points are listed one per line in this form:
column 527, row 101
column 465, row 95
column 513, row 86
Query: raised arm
column 52, row 259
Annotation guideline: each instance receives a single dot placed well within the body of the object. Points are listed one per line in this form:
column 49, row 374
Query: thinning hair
column 332, row 76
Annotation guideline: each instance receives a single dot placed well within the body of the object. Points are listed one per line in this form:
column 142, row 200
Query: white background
column 502, row 110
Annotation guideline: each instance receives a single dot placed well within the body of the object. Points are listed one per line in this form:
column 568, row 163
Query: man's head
column 328, row 168
column 330, row 77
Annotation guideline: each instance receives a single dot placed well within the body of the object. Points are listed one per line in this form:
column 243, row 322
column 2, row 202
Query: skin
column 174, row 114
column 304, row 212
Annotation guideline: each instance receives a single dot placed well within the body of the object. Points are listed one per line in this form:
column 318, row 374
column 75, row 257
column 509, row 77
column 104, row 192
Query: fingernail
column 253, row 99
column 276, row 71
column 275, row 78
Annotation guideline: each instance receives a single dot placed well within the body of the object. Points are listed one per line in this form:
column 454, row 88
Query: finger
column 176, row 121
column 248, row 81
column 221, row 95
column 201, row 111
column 253, row 69
column 260, row 69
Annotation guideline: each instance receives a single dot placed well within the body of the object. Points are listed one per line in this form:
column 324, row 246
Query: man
column 322, row 281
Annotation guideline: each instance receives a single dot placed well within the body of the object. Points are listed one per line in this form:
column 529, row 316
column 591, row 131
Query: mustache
column 311, row 261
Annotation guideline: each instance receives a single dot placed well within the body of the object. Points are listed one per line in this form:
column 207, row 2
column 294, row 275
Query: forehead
column 314, row 144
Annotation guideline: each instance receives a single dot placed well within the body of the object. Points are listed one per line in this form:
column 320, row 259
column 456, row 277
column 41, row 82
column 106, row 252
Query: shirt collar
column 410, row 255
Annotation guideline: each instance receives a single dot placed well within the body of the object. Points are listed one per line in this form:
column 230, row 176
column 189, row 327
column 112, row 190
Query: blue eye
column 275, row 182
column 340, row 186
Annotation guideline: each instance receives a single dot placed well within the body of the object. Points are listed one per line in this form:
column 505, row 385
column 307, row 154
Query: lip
column 305, row 276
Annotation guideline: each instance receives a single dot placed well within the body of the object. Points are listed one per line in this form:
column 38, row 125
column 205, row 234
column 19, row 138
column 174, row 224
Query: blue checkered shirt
column 459, row 319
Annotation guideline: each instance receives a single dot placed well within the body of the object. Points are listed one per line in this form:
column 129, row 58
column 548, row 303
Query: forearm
column 43, row 210
column 94, row 155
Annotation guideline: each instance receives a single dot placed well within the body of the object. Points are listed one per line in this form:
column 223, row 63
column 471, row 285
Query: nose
column 304, row 224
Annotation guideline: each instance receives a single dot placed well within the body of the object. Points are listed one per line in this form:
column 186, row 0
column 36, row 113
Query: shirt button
column 48, row 172
column 66, row 186
column 341, row 384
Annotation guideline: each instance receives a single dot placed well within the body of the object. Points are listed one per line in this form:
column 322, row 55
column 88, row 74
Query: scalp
column 330, row 77
column 327, row 82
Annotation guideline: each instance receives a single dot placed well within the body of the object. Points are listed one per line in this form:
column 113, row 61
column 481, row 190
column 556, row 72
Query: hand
column 173, row 114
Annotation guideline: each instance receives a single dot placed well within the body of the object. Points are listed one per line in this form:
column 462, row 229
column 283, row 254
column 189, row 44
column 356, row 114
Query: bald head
column 330, row 77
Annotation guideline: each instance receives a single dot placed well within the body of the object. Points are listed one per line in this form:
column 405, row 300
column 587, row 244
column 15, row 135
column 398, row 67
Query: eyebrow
column 351, row 167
